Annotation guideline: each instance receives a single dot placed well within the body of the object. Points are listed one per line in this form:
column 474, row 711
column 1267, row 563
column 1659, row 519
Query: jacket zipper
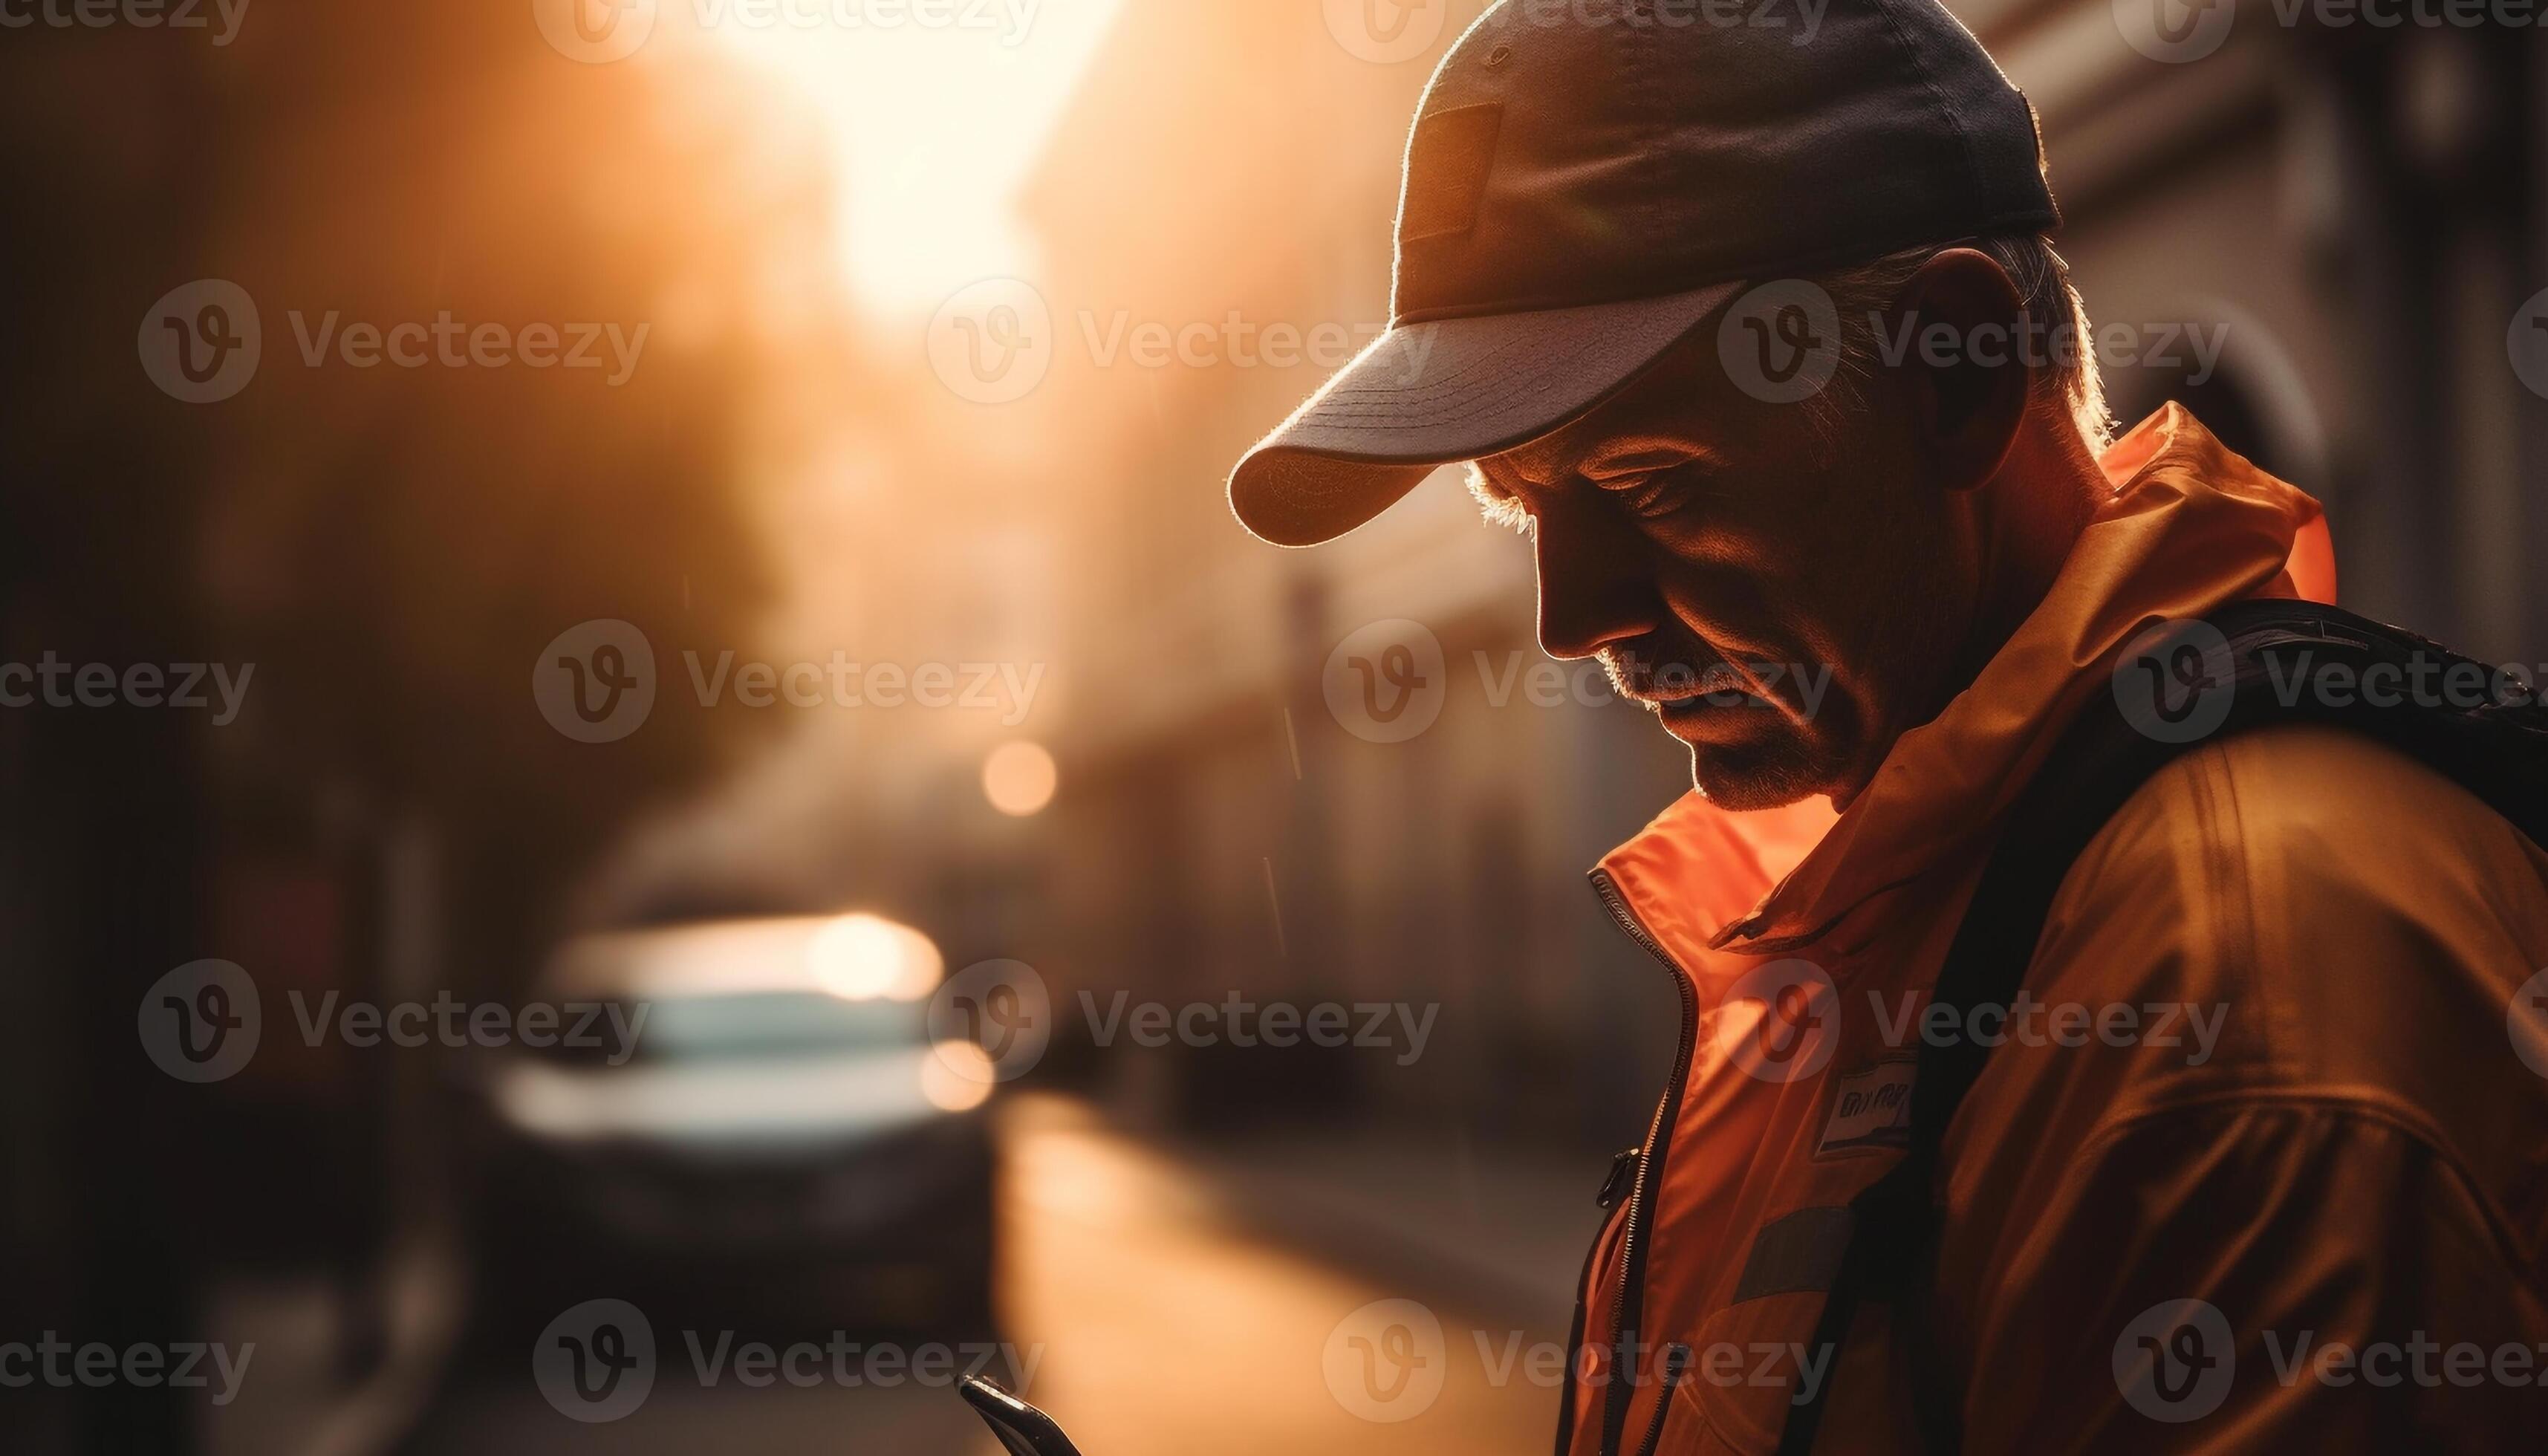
column 1676, row 1360
column 1615, row 1189
column 1628, row 1304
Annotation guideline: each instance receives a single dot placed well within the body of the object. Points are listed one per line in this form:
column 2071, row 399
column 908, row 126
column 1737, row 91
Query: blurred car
column 757, row 1114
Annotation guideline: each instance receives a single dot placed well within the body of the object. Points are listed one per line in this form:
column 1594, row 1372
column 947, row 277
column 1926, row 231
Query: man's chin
column 1754, row 776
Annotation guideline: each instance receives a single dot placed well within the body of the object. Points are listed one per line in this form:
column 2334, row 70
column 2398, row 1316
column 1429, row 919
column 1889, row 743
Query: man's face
column 1786, row 605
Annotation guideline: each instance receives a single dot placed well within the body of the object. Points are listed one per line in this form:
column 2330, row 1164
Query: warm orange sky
column 933, row 128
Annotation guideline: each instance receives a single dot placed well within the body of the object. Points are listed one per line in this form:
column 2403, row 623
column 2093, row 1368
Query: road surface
column 1160, row 1301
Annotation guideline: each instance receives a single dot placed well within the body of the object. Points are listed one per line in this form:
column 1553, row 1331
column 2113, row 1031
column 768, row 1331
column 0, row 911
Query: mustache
column 1668, row 667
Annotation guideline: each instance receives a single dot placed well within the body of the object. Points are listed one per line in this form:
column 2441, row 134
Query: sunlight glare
column 933, row 131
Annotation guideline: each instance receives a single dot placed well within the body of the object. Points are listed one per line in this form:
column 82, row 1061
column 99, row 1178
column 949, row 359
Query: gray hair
column 1865, row 292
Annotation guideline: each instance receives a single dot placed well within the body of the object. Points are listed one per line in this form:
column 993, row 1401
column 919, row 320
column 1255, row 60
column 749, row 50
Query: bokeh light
column 957, row 1076
column 1018, row 778
column 866, row 957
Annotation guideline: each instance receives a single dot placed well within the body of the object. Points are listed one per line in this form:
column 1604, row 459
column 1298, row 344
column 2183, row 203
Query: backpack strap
column 2247, row 665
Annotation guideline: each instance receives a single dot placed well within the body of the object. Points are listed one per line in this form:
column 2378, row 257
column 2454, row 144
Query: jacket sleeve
column 2260, row 1275
column 2316, row 1228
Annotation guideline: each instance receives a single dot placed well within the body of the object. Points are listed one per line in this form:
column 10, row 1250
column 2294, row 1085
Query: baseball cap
column 1588, row 180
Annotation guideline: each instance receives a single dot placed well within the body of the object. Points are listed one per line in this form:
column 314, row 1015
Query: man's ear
column 1965, row 376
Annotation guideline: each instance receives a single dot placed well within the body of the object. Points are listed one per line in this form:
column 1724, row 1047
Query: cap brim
column 1432, row 394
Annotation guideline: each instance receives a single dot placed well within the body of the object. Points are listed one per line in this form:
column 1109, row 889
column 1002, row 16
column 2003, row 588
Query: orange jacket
column 2264, row 1168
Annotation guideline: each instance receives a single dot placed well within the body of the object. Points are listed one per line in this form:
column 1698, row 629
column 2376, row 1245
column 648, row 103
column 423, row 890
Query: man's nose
column 1594, row 587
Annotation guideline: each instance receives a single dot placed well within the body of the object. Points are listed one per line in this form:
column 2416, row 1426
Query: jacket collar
column 2189, row 526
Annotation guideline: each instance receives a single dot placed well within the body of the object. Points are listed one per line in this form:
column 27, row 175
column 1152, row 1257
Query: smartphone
column 1021, row 1428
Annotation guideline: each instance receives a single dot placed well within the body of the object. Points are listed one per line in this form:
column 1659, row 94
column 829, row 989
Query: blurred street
column 643, row 764
column 1165, row 1299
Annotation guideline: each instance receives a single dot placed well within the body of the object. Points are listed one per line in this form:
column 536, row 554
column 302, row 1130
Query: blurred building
column 2357, row 208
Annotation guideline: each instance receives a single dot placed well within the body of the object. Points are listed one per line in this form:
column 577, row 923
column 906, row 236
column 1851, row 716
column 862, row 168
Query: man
column 2256, row 1164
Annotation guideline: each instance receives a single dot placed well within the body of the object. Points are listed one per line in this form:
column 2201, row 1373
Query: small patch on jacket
column 1871, row 1108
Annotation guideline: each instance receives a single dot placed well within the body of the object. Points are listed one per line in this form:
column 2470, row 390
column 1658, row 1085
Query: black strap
column 2248, row 666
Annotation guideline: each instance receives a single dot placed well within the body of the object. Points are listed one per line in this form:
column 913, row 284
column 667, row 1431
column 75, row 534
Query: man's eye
column 1655, row 494
column 1651, row 496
